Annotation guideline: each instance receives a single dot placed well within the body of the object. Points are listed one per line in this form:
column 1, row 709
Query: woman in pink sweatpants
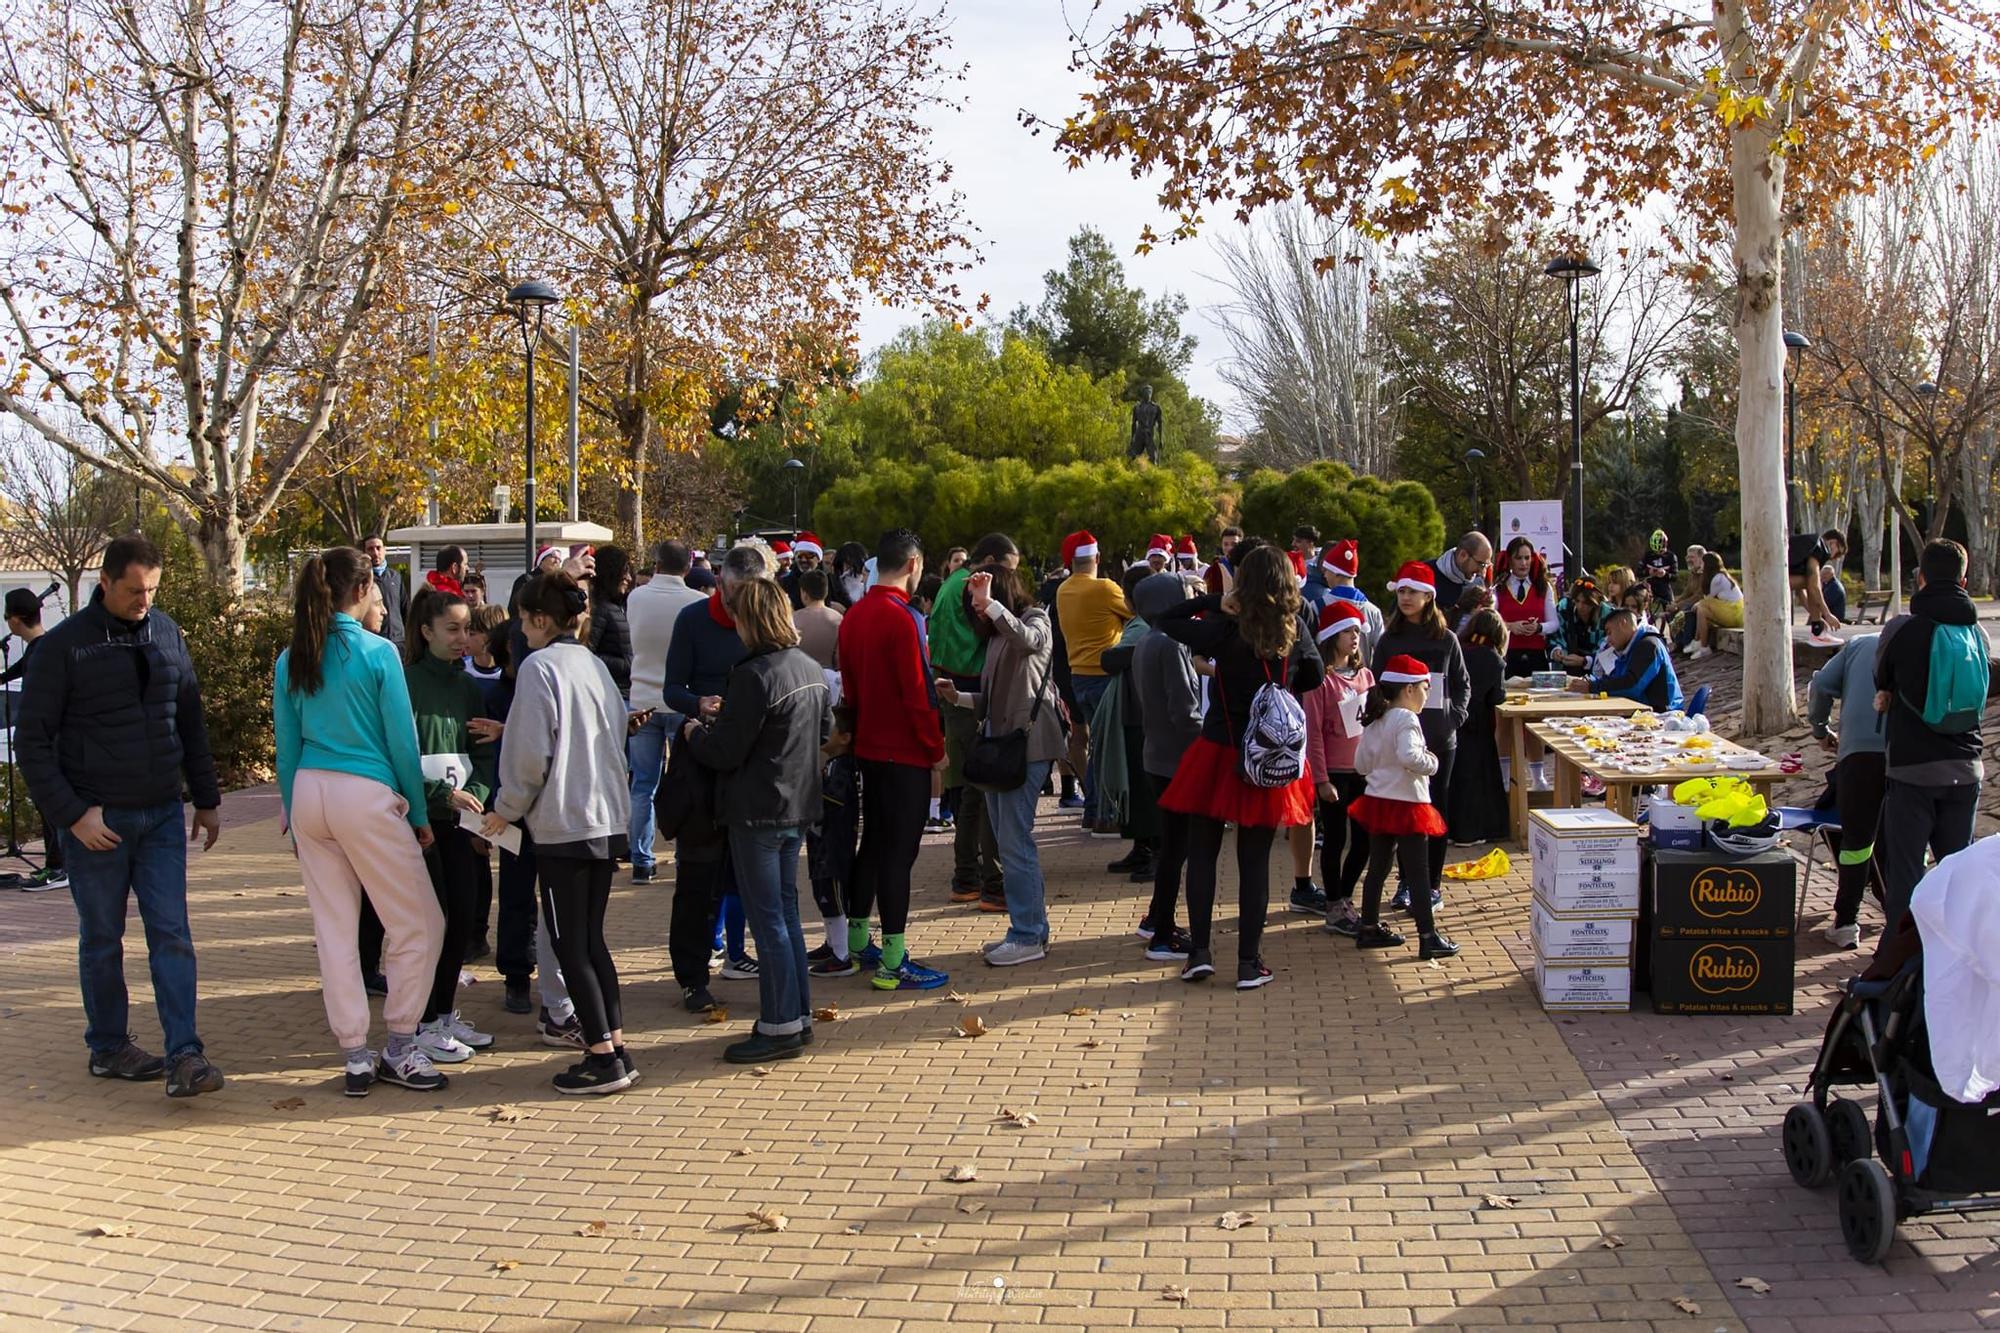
column 351, row 776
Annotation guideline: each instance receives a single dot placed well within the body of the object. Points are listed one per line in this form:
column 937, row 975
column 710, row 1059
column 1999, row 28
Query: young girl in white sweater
column 1396, row 809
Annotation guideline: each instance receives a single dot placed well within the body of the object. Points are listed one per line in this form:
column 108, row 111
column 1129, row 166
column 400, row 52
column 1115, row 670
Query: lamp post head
column 794, row 465
column 1571, row 268
column 1927, row 389
column 1797, row 342
column 1471, row 454
column 534, row 294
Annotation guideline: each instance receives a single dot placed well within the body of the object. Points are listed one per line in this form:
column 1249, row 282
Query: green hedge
column 1393, row 522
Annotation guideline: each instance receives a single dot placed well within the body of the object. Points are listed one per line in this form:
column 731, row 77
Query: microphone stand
column 13, row 851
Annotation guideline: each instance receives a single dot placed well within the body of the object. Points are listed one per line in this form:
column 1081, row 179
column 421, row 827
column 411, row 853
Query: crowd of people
column 737, row 712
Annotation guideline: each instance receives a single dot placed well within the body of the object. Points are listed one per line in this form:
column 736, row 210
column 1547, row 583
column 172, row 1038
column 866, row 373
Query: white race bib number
column 455, row 769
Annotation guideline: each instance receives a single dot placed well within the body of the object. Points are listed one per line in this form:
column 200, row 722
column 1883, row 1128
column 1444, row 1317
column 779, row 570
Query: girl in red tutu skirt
column 1396, row 809
column 1254, row 636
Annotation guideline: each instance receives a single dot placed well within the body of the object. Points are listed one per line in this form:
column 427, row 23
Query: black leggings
column 894, row 801
column 1339, row 834
column 575, row 892
column 1167, row 863
column 699, row 883
column 1253, row 880
column 1440, row 848
column 1412, row 857
column 454, row 868
column 1860, row 781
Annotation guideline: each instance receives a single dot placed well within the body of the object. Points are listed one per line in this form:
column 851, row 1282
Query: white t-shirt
column 1723, row 589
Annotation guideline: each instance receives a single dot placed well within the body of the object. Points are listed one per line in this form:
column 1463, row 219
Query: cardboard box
column 1709, row 895
column 1574, row 839
column 1586, row 896
column 1679, row 839
column 1592, row 986
column 1722, row 976
column 1587, row 940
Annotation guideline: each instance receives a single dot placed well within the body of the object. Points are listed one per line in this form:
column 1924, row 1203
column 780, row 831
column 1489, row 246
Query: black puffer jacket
column 611, row 639
column 111, row 715
column 765, row 742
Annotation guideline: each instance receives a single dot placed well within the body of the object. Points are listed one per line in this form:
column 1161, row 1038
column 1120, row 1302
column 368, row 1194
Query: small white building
column 497, row 550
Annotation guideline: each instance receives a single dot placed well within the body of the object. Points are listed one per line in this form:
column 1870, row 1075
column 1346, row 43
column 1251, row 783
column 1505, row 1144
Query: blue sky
column 1023, row 198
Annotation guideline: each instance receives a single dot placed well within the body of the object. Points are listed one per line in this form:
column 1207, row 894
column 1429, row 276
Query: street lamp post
column 1473, row 457
column 1794, row 498
column 1573, row 269
column 533, row 296
column 795, row 469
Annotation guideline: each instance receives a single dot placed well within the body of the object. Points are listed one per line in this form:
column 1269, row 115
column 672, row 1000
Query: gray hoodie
column 562, row 771
column 1850, row 678
column 1163, row 672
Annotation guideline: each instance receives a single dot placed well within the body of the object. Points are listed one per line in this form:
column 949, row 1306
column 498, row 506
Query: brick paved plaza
column 1361, row 1111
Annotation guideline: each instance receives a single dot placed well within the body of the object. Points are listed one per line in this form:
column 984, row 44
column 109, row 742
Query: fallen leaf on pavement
column 1079, row 1011
column 1613, row 1242
column 288, row 1104
column 1686, row 1306
column 958, row 1175
column 972, row 1025
column 597, row 1228
column 507, row 1115
column 505, row 1265
column 1233, row 1221
column 1013, row 1119
column 1126, row 1014
column 1499, row 1201
column 716, row 1015
column 971, row 1206
column 1170, row 1292
column 767, row 1219
column 854, row 1229
column 739, row 1152
column 760, row 1071
column 1756, row 1284
column 109, row 1229
column 1091, row 1043
column 959, row 997
column 827, row 1013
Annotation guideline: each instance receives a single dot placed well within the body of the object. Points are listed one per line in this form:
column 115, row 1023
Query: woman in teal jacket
column 353, row 789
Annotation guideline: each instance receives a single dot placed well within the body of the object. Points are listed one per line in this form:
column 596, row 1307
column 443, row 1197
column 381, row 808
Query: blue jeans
column 766, row 861
column 150, row 863
column 646, row 756
column 1013, row 816
column 1088, row 691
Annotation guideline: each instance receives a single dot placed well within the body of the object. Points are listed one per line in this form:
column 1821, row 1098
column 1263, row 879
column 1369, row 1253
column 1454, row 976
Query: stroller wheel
column 1848, row 1129
column 1867, row 1210
column 1808, row 1149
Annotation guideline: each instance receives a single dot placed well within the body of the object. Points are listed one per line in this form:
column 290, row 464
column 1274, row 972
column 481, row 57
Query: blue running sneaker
column 1401, row 902
column 912, row 975
column 1073, row 801
column 869, row 958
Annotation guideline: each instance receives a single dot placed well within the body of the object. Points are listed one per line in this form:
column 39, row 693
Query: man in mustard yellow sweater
column 1093, row 614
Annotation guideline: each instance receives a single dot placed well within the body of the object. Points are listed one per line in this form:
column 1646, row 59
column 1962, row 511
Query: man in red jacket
column 888, row 691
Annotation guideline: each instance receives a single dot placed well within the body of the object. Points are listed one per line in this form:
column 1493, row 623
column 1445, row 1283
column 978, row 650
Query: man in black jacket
column 1934, row 746
column 110, row 727
column 391, row 585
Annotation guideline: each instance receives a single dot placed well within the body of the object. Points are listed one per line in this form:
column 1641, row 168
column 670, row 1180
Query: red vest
column 1532, row 607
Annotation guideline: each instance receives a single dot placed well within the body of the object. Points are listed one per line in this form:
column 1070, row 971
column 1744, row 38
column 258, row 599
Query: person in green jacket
column 459, row 779
column 960, row 655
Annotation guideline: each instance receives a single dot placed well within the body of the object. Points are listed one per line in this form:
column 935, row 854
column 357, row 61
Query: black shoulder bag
column 1000, row 763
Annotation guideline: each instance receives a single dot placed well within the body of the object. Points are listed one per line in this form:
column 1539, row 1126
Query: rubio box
column 1722, row 976
column 1706, row 896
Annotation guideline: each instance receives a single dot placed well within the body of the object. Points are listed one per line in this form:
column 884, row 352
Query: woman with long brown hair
column 353, row 788
column 1253, row 636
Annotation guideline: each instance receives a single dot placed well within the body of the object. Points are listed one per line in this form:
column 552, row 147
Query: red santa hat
column 1162, row 546
column 1185, row 549
column 546, row 552
column 1342, row 557
column 1337, row 616
column 1078, row 546
column 783, row 550
column 1298, row 567
column 1403, row 669
column 1416, row 575
column 806, row 544
column 445, row 583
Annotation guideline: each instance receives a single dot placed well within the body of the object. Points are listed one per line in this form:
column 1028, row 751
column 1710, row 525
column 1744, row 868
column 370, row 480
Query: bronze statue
column 1147, row 423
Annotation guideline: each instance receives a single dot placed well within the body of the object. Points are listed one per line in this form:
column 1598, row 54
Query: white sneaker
column 1842, row 937
column 1542, row 782
column 412, row 1069
column 464, row 1033
column 739, row 969
column 1700, row 651
column 1009, row 954
column 434, row 1039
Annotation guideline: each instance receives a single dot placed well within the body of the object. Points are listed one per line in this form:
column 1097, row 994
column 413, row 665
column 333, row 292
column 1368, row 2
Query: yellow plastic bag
column 1490, row 866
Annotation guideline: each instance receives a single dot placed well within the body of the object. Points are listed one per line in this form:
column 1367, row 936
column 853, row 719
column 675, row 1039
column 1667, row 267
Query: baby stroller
column 1925, row 1153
